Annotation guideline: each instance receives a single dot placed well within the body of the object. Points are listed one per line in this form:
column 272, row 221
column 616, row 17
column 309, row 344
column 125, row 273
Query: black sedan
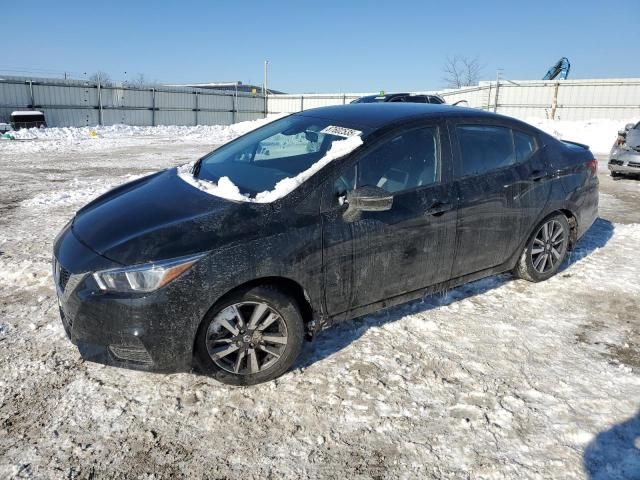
column 315, row 218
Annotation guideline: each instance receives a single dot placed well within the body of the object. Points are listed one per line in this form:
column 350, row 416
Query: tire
column 616, row 174
column 251, row 336
column 545, row 250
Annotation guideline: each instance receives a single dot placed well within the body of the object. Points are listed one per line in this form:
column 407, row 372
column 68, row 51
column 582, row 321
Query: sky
column 328, row 46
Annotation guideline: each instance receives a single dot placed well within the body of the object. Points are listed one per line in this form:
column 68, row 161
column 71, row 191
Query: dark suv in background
column 401, row 97
column 315, row 218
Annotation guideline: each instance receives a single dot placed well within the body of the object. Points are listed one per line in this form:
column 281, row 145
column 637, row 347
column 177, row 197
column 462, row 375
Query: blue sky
column 319, row 46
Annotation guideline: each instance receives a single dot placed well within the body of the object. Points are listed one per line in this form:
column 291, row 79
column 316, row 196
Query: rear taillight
column 592, row 165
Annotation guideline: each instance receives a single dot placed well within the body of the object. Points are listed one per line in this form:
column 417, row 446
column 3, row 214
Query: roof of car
column 376, row 115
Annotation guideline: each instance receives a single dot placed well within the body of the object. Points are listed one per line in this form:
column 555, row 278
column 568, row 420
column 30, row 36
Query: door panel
column 499, row 207
column 388, row 253
column 405, row 248
column 488, row 217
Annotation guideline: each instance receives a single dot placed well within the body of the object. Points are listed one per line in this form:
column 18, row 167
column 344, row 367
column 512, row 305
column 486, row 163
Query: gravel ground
column 497, row 379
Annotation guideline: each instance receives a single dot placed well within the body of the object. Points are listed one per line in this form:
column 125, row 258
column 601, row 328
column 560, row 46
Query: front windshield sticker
column 341, row 131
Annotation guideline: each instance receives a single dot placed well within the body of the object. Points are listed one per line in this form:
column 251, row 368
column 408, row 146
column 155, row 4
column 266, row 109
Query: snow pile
column 225, row 188
column 598, row 134
column 214, row 133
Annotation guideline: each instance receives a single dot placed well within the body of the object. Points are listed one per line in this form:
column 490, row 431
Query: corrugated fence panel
column 128, row 117
column 68, row 117
column 215, row 118
column 172, row 100
column 75, row 102
column 284, row 104
column 14, row 95
column 250, row 104
column 215, row 102
column 175, row 117
column 51, row 95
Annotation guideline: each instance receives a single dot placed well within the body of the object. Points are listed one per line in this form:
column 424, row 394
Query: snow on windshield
column 225, row 188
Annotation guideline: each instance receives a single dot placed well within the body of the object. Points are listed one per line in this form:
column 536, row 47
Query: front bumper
column 625, row 162
column 152, row 331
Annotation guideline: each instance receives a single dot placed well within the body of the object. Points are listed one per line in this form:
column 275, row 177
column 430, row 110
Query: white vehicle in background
column 624, row 158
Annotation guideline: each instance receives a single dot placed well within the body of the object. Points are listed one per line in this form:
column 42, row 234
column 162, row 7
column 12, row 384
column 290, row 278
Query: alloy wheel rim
column 246, row 338
column 548, row 246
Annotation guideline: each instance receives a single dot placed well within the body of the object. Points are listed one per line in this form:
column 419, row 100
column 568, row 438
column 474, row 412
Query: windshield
column 257, row 161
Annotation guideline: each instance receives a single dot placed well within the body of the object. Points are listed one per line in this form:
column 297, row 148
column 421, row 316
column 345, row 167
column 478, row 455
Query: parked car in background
column 27, row 119
column 401, row 97
column 624, row 158
column 227, row 264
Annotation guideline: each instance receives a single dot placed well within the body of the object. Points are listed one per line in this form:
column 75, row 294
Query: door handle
column 538, row 175
column 437, row 208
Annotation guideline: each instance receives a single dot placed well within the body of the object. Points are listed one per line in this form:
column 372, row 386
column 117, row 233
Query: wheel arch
column 283, row 284
column 573, row 225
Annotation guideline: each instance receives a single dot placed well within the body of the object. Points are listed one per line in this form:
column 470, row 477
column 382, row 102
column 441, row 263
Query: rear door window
column 484, row 148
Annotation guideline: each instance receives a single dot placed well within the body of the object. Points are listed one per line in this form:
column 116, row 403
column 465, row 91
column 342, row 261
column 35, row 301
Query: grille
column 131, row 353
column 60, row 274
column 63, row 278
column 634, row 164
column 616, row 162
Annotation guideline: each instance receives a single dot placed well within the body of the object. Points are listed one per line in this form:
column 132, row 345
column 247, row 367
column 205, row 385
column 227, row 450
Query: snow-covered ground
column 497, row 379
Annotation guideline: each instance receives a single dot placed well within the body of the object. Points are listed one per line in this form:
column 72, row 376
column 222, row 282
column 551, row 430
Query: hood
column 633, row 138
column 159, row 217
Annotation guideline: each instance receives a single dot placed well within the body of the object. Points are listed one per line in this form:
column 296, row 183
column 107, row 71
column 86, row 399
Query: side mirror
column 629, row 126
column 367, row 199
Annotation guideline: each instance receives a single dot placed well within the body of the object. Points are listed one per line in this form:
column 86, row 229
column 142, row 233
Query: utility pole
column 498, row 77
column 265, row 90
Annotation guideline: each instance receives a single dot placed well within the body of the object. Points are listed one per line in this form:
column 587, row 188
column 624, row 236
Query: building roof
column 241, row 87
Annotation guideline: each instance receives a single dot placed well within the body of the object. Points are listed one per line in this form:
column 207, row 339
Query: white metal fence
column 81, row 103
column 615, row 99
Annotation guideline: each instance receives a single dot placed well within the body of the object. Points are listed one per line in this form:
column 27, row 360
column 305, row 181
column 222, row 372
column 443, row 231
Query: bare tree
column 102, row 77
column 461, row 71
column 140, row 81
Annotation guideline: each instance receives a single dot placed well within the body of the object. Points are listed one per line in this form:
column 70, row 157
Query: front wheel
column 545, row 251
column 253, row 336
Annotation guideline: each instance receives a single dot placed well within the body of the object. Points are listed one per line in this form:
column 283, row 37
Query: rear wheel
column 545, row 251
column 253, row 336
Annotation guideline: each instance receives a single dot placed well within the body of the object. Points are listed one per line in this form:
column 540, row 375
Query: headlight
column 144, row 278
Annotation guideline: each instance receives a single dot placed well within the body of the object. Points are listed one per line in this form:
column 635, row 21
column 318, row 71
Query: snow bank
column 225, row 188
column 598, row 134
column 214, row 133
